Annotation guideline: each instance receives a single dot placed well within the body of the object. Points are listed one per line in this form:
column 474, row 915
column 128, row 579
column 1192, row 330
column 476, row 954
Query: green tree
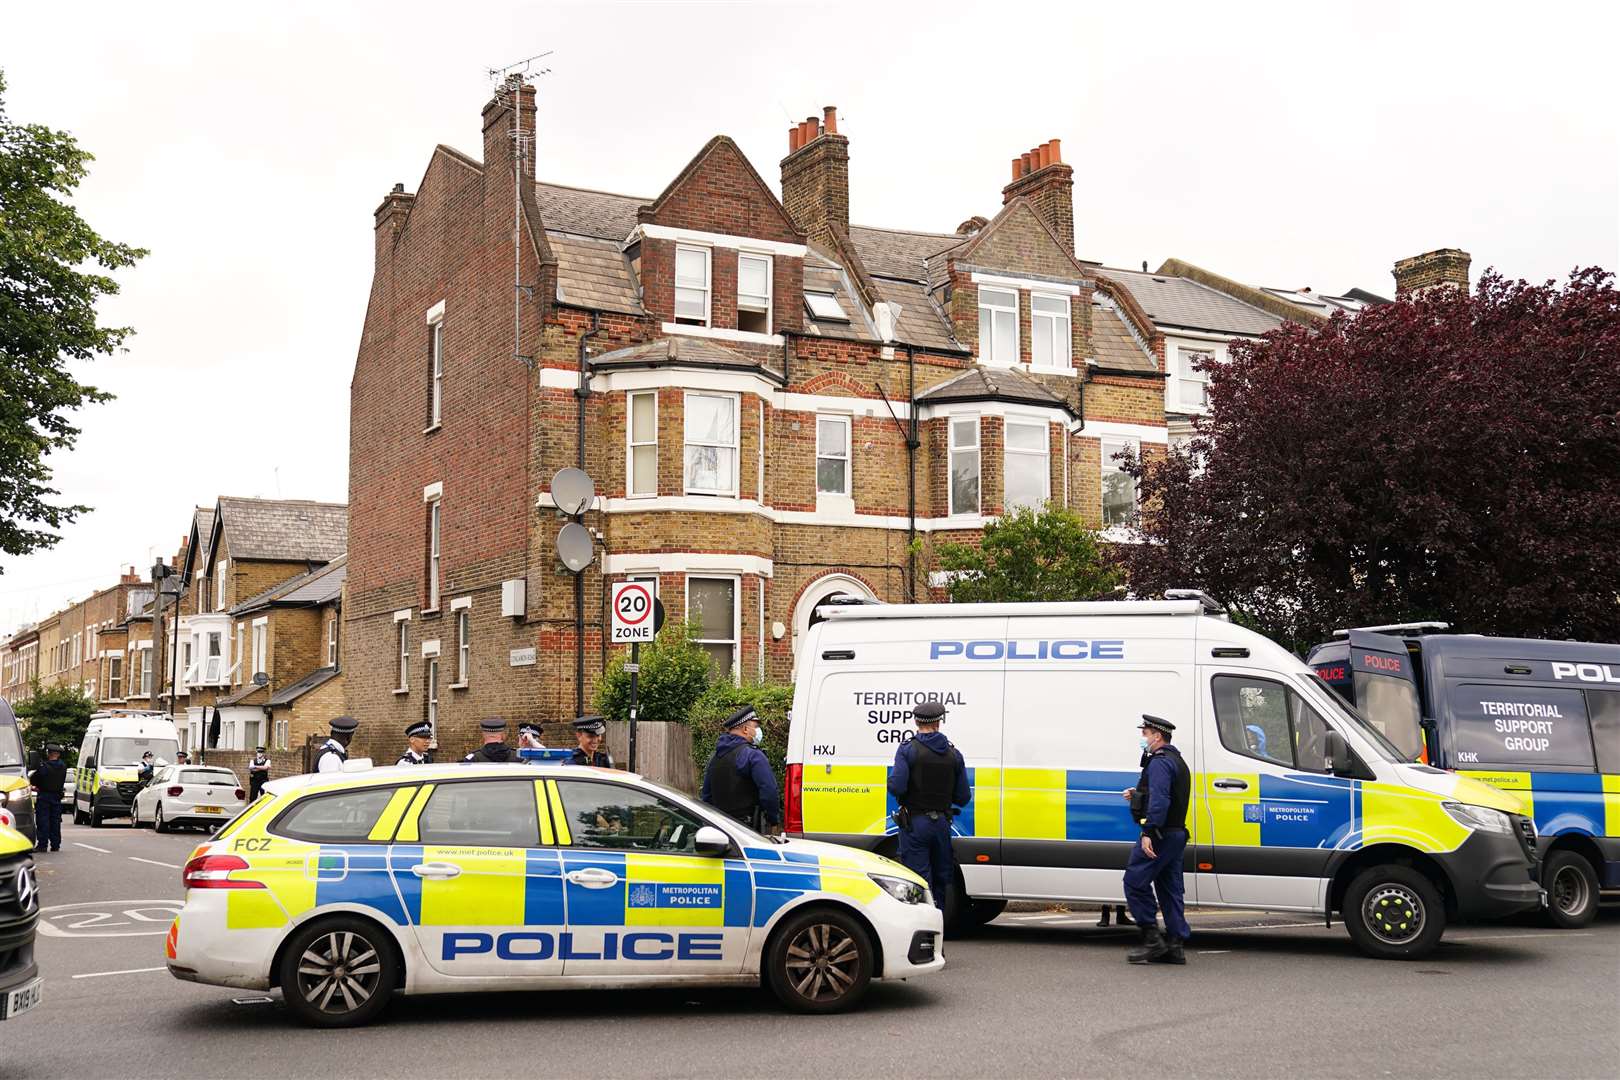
column 769, row 700
column 675, row 672
column 1031, row 555
column 47, row 318
column 57, row 714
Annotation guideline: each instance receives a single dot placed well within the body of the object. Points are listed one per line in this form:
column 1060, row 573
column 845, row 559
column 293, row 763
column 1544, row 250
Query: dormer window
column 998, row 326
column 692, row 285
column 754, row 293
column 825, row 306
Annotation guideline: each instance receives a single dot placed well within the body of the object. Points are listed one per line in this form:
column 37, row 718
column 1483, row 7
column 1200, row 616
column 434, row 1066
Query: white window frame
column 220, row 568
column 332, row 641
column 430, row 686
column 261, row 646
column 770, row 287
column 435, row 529
column 1063, row 323
column 848, row 457
column 735, row 446
column 1186, row 377
column 146, row 671
column 987, row 335
column 436, row 371
column 402, row 629
column 707, row 288
column 282, row 733
column 115, row 677
column 241, row 652
column 631, row 443
column 1009, row 453
column 1107, row 447
column 952, row 449
column 736, row 618
column 463, row 648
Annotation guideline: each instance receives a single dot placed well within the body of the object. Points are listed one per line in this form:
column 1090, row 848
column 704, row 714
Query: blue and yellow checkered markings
column 774, row 888
column 678, row 890
column 542, row 888
column 1095, row 809
column 601, row 906
column 1569, row 802
column 357, row 875
column 401, row 857
column 738, row 899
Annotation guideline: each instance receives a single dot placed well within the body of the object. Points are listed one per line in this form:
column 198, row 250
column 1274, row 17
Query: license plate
column 22, row 999
column 208, row 809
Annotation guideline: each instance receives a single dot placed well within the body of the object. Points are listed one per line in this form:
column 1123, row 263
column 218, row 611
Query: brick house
column 68, row 647
column 773, row 404
column 19, row 663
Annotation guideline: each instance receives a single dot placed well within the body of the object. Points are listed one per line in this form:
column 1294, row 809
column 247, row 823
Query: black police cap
column 928, row 711
column 591, row 725
column 344, row 725
column 53, row 748
column 1158, row 723
column 740, row 717
column 492, row 724
column 529, row 727
column 419, row 730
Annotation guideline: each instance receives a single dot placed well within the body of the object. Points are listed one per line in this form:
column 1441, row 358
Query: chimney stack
column 1445, row 266
column 390, row 219
column 815, row 176
column 503, row 139
column 1041, row 176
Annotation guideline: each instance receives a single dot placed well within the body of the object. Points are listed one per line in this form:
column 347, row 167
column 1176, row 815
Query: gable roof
column 722, row 144
column 980, row 383
column 312, row 589
column 280, row 530
column 202, row 532
column 1180, row 302
column 1020, row 207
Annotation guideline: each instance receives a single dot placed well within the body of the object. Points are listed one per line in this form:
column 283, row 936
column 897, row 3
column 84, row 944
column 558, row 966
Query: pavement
column 1039, row 993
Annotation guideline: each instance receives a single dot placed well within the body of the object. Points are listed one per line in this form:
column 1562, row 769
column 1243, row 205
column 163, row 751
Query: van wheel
column 1572, row 890
column 338, row 972
column 79, row 816
column 95, row 816
column 981, row 912
column 820, row 962
column 1394, row 913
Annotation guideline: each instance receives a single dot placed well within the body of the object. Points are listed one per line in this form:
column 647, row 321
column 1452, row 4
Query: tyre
column 981, row 912
column 79, row 816
column 94, row 815
column 157, row 819
column 820, row 961
column 134, row 816
column 1394, row 913
column 338, row 972
column 1572, row 890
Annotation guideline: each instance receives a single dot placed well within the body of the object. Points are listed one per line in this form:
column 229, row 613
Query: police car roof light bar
column 1409, row 629
column 1211, row 605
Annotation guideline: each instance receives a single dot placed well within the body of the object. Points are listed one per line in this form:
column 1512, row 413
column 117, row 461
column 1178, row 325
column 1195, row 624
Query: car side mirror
column 711, row 841
column 1340, row 761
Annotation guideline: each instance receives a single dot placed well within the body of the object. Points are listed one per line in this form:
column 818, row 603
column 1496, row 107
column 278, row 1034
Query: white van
column 108, row 776
column 1298, row 803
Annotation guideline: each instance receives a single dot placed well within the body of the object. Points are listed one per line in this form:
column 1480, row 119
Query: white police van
column 1298, row 803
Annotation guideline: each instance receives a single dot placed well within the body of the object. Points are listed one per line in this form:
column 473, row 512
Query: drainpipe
column 581, row 392
column 912, row 443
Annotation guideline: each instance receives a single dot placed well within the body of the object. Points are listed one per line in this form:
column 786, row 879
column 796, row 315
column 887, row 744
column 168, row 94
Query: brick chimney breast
column 500, row 135
column 1445, row 266
column 1041, row 176
column 815, row 177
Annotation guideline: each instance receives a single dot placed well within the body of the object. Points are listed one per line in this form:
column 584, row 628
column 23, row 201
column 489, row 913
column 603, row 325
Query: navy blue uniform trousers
column 1162, row 875
column 926, row 849
column 48, row 820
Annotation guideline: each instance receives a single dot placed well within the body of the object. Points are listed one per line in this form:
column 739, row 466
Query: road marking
column 126, row 971
column 1201, row 952
column 1273, row 926
column 92, row 847
column 96, row 918
column 154, row 862
column 1501, row 937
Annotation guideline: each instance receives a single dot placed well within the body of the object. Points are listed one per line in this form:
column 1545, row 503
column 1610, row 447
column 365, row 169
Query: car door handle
column 436, row 870
column 1231, row 785
column 593, row 877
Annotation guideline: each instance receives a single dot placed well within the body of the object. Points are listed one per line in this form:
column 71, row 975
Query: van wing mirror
column 711, row 841
column 90, row 762
column 1339, row 759
column 35, row 758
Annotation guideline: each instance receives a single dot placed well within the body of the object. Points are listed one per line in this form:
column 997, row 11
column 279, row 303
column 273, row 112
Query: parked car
column 188, row 795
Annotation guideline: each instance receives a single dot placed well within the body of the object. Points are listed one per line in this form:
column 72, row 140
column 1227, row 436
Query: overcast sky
column 246, row 145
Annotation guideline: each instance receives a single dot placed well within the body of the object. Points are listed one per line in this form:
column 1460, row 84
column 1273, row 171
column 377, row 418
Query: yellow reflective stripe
column 1611, row 805
column 1225, row 807
column 1516, row 783
column 408, row 831
column 384, row 829
column 488, row 892
column 558, row 817
column 1034, row 804
column 546, row 838
column 851, row 799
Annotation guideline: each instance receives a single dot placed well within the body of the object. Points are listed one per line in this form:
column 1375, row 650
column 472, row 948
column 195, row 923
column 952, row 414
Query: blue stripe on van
column 1094, row 809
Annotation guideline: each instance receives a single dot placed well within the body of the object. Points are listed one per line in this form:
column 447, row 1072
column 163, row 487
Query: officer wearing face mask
column 738, row 780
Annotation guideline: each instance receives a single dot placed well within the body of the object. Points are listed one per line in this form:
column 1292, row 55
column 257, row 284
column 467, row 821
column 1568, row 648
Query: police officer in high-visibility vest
column 49, row 780
column 738, row 780
column 335, row 750
column 418, row 737
column 258, row 772
column 929, row 781
column 494, row 748
column 1159, row 807
column 589, row 730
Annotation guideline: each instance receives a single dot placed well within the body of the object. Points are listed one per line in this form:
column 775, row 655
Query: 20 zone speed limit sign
column 632, row 612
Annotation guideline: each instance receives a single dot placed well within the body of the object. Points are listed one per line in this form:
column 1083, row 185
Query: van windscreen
column 1391, row 706
column 127, row 751
column 10, row 746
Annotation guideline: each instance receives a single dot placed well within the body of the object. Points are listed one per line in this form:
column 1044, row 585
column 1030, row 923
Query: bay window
column 711, row 603
column 964, row 465
column 711, row 444
column 641, row 435
column 1027, row 472
column 1118, row 486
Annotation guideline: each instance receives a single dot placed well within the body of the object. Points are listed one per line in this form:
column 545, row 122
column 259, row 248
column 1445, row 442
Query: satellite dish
column 574, row 545
column 572, row 491
column 261, row 679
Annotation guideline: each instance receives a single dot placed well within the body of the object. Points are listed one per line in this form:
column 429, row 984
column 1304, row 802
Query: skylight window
column 825, row 306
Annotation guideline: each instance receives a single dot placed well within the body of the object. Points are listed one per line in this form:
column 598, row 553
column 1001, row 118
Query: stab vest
column 932, row 779
column 498, row 751
column 1180, row 793
column 732, row 792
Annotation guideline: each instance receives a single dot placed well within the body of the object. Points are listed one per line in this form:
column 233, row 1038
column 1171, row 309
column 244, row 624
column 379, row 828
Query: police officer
column 589, row 731
column 494, row 748
column 738, row 780
column 335, row 750
column 529, row 736
column 1159, row 806
column 48, row 780
column 929, row 781
column 182, row 758
column 258, row 772
column 148, row 766
column 418, row 736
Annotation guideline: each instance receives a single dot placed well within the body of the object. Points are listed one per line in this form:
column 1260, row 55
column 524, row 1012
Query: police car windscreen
column 128, row 751
column 10, row 746
column 1526, row 726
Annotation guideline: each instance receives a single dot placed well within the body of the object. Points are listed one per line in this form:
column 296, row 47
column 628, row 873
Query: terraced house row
column 777, row 405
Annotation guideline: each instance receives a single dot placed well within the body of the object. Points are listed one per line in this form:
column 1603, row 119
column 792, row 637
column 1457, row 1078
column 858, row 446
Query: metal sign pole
column 634, row 667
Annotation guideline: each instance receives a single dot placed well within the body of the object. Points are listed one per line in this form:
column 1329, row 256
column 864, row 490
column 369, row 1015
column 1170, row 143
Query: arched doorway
column 820, row 591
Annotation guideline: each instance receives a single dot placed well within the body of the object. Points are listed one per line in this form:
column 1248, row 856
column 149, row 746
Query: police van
column 1298, row 803
column 108, row 777
column 16, row 797
column 342, row 889
column 1540, row 719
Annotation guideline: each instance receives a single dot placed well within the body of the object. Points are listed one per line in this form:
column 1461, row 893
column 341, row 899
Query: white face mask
column 759, row 737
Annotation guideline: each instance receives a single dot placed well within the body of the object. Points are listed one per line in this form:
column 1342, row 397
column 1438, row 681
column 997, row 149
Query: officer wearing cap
column 258, row 772
column 49, row 779
column 589, row 731
column 1159, row 807
column 417, row 738
column 738, row 780
column 494, row 748
column 335, row 750
column 529, row 736
column 929, row 782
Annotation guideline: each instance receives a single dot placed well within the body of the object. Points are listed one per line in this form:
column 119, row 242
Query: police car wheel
column 820, row 961
column 1572, row 890
column 157, row 819
column 1394, row 913
column 338, row 972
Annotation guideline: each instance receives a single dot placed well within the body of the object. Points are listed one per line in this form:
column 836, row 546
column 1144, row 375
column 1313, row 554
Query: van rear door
column 1384, row 679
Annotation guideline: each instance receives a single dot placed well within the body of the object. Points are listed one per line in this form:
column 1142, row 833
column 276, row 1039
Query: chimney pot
column 1017, row 168
column 1028, row 167
column 1056, row 151
column 829, row 115
column 793, row 138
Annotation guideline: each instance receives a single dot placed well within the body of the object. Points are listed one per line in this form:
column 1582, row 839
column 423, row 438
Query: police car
column 345, row 889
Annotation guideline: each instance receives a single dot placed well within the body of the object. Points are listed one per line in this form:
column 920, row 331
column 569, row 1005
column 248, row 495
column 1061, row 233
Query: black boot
column 1172, row 954
column 1152, row 946
column 1103, row 921
column 1123, row 917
